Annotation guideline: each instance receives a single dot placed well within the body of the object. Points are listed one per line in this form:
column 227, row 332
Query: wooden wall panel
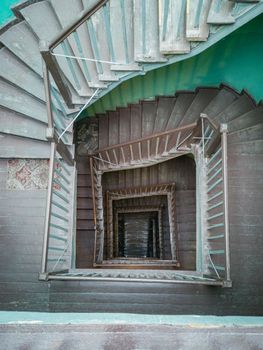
column 21, row 235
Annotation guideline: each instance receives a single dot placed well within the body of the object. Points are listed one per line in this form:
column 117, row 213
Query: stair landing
column 128, row 331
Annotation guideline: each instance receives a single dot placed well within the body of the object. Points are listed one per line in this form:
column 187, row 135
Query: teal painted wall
column 5, row 13
column 236, row 60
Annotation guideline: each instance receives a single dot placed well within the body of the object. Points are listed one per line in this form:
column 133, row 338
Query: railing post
column 43, row 272
column 72, row 224
column 199, row 221
column 223, row 130
column 56, row 72
column 50, row 120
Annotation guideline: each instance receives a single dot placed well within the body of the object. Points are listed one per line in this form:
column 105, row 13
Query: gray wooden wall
column 21, row 233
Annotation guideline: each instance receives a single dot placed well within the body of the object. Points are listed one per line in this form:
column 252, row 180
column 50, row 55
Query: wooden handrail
column 84, row 16
column 211, row 122
column 160, row 134
column 150, row 188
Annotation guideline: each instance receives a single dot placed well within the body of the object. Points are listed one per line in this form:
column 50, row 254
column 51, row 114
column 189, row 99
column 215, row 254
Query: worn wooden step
column 172, row 27
column 202, row 98
column 120, row 23
column 84, row 214
column 246, row 120
column 197, row 28
column 146, row 32
column 220, row 102
column 84, row 180
column 165, row 106
column 240, row 106
column 84, row 192
column 252, row 133
column 183, row 102
column 16, row 99
column 16, row 72
column 148, row 117
column 84, row 258
column 79, row 40
column 23, row 43
column 46, row 30
column 17, row 124
column 19, row 147
column 220, row 12
column 101, row 42
column 249, row 147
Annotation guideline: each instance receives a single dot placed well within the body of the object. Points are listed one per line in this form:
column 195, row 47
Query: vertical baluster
column 48, row 210
column 149, row 149
column 131, row 152
column 166, row 143
column 223, row 130
column 123, row 155
column 116, row 235
column 93, row 191
column 178, row 140
column 100, row 158
column 48, row 96
column 81, row 53
column 154, row 237
column 108, row 156
column 140, row 150
column 100, row 219
column 115, row 156
column 110, row 226
column 157, row 146
column 160, row 233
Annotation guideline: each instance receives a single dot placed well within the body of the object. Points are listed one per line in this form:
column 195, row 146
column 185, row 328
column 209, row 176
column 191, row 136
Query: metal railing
column 59, row 237
column 147, row 150
column 63, row 57
column 213, row 257
column 66, row 57
column 60, row 91
column 217, row 211
column 57, row 117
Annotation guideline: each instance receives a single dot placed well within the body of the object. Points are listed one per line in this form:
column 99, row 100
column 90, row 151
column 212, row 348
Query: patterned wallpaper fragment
column 27, row 174
column 87, row 137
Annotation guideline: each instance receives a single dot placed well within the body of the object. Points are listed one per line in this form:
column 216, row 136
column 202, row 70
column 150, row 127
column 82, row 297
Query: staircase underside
column 22, row 99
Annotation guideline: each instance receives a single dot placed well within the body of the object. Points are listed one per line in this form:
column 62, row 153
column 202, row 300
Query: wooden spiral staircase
column 223, row 105
column 113, row 55
column 133, row 45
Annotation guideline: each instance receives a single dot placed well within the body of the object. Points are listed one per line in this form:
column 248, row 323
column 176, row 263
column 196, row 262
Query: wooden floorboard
column 125, row 336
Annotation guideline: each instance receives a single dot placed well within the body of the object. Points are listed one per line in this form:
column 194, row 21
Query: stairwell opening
column 137, row 235
column 138, row 224
column 186, row 164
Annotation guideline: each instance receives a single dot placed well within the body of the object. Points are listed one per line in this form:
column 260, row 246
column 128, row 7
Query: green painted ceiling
column 236, row 60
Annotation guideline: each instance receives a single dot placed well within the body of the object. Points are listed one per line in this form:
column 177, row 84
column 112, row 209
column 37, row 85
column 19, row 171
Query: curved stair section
column 150, row 33
column 112, row 59
column 140, row 122
column 244, row 120
column 22, row 98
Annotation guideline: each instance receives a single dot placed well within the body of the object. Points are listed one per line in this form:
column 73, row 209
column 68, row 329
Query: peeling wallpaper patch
column 27, row 174
column 87, row 137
